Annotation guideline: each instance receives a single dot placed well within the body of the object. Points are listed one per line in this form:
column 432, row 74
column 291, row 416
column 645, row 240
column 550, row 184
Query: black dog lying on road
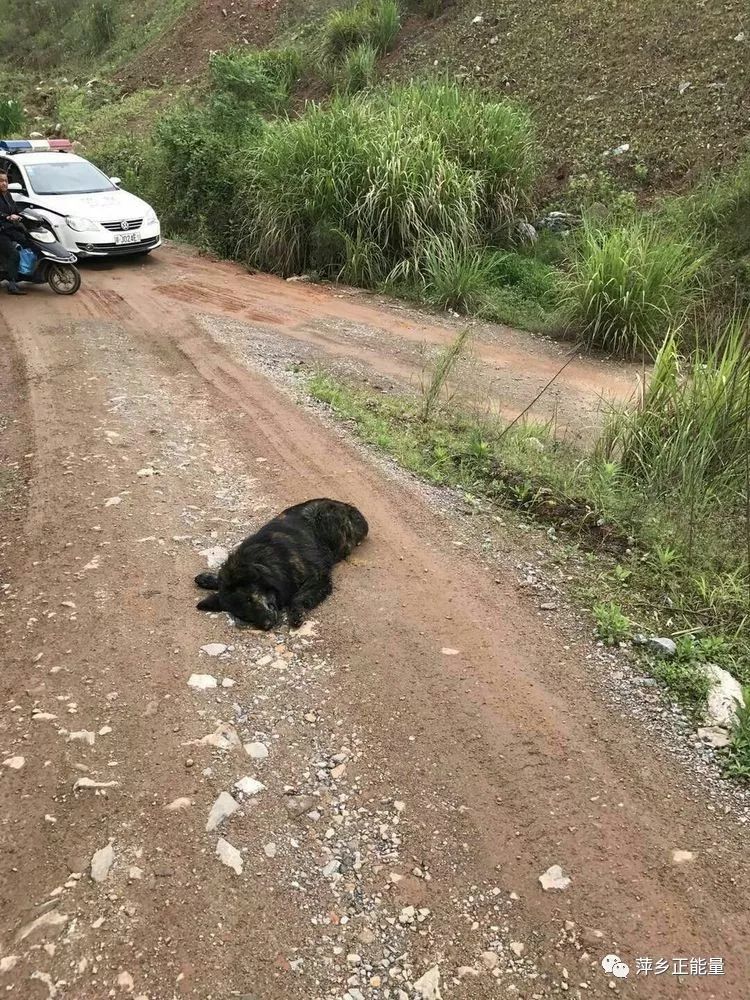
column 286, row 565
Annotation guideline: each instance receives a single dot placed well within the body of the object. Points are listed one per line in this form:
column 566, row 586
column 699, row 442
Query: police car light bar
column 35, row 145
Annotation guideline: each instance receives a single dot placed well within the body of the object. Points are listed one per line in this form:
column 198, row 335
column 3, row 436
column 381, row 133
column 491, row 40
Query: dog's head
column 244, row 597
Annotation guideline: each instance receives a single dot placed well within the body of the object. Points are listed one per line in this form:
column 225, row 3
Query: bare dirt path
column 372, row 333
column 426, row 748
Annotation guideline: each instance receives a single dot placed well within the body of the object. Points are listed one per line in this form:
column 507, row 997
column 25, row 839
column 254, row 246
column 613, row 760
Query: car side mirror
column 15, row 188
column 116, row 181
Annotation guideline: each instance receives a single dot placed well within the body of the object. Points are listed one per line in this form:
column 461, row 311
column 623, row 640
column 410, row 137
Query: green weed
column 441, row 373
column 101, row 25
column 372, row 22
column 685, row 681
column 455, row 276
column 612, row 626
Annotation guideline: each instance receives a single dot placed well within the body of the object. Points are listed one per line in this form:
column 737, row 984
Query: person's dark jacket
column 9, row 207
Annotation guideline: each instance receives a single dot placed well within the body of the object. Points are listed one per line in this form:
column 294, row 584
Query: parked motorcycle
column 53, row 264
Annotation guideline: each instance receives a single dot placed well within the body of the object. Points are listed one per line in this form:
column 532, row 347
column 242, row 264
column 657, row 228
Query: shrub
column 196, row 160
column 629, row 287
column 612, row 626
column 11, row 118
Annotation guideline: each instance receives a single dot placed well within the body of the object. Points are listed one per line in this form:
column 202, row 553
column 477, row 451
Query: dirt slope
column 451, row 748
column 181, row 53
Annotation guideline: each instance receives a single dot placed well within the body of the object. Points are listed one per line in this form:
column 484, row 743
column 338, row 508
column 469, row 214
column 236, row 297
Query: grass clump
column 196, row 158
column 261, row 78
column 372, row 22
column 717, row 215
column 101, row 25
column 629, row 286
column 455, row 277
column 689, row 435
column 357, row 70
column 442, row 372
column 11, row 118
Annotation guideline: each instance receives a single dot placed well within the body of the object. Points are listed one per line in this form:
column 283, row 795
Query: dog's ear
column 210, row 603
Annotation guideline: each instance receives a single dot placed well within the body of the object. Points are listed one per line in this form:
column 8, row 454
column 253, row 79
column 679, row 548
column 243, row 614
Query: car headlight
column 81, row 225
column 149, row 218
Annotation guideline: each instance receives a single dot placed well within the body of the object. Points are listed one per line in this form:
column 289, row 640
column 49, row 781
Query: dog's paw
column 207, row 581
column 210, row 603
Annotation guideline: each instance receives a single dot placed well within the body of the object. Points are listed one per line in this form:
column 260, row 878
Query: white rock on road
column 428, row 986
column 229, row 855
column 256, row 751
column 92, row 783
column 224, row 737
column 176, row 804
column 50, row 924
column 202, row 682
column 101, row 862
column 214, row 648
column 680, row 857
column 125, row 982
column 554, row 878
column 14, row 763
column 224, row 807
column 249, row 786
column 715, row 736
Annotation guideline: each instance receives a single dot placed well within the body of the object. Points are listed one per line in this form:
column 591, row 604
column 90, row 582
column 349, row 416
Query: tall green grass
column 629, row 286
column 263, row 78
column 455, row 276
column 11, row 118
column 101, row 25
column 691, row 425
column 392, row 169
column 374, row 22
column 357, row 70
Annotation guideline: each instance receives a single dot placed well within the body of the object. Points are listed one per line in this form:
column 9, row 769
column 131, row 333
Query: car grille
column 117, row 227
column 116, row 248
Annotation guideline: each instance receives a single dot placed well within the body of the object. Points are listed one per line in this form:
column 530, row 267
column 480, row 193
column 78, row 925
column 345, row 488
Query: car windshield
column 67, row 177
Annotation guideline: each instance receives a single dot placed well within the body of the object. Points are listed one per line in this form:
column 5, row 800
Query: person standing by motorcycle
column 11, row 235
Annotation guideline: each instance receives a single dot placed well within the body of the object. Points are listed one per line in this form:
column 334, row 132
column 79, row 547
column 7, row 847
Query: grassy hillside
column 672, row 81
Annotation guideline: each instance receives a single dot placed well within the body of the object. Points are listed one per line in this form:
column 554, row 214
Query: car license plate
column 122, row 238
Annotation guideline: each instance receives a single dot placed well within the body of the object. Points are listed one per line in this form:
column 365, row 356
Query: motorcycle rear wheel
column 64, row 279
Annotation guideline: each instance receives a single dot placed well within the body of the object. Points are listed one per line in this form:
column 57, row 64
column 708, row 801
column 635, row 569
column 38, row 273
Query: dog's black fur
column 286, row 566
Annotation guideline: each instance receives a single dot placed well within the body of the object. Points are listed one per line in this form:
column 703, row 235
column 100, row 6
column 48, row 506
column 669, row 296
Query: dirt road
column 426, row 747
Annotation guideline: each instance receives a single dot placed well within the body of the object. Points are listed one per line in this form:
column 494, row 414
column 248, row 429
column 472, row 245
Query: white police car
column 91, row 214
